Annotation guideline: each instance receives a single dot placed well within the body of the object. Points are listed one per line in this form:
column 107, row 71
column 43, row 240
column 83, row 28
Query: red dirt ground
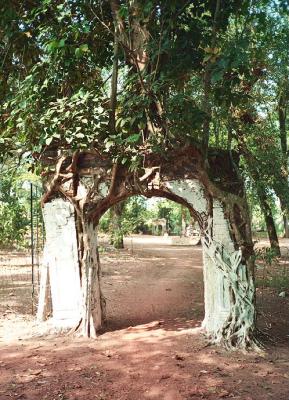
column 152, row 347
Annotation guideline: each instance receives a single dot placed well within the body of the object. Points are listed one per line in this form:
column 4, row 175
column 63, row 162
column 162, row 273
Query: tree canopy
column 131, row 78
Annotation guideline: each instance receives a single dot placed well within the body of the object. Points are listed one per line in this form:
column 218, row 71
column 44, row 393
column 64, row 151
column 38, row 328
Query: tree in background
column 131, row 216
column 116, row 227
column 15, row 198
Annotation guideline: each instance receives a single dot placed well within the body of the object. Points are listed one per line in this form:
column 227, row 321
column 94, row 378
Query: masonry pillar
column 61, row 260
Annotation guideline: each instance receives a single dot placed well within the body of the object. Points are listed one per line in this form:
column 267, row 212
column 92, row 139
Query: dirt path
column 152, row 281
column 155, row 296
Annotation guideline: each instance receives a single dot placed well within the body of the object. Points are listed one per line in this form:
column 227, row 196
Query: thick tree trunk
column 286, row 226
column 285, row 219
column 271, row 229
column 272, row 234
column 116, row 237
column 90, row 273
column 282, row 111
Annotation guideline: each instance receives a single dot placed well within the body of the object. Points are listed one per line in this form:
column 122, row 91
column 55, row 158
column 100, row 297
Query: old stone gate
column 80, row 187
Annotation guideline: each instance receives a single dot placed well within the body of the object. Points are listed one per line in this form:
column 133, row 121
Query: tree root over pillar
column 93, row 307
column 238, row 330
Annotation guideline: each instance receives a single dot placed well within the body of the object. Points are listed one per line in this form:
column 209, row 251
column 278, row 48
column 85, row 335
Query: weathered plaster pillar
column 61, row 259
column 215, row 296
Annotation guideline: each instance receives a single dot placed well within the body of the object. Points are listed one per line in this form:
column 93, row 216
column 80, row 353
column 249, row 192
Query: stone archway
column 159, row 225
column 83, row 186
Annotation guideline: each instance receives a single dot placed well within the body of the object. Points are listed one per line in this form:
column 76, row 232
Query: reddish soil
column 152, row 347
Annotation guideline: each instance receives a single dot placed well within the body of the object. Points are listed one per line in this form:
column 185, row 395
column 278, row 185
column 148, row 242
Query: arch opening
column 154, row 278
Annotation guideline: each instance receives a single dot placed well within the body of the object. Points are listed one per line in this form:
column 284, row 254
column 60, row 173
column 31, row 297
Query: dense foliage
column 130, row 78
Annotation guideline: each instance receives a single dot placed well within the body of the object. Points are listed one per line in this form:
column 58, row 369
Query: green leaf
column 133, row 138
column 109, row 144
column 52, row 45
column 84, row 48
column 217, row 76
column 48, row 140
column 77, row 52
column 61, row 43
column 123, row 11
